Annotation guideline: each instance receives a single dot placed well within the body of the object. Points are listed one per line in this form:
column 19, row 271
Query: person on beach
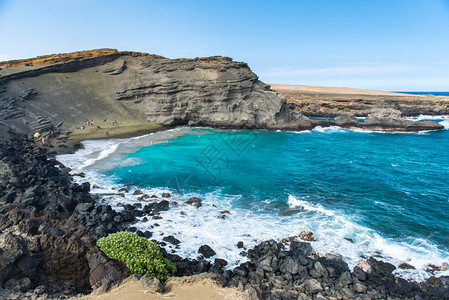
column 37, row 135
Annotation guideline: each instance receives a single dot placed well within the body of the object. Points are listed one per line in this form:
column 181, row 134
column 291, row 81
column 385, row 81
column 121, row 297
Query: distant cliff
column 105, row 84
column 314, row 101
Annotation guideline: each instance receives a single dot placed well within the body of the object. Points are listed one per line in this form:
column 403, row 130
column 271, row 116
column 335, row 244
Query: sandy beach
column 198, row 287
column 100, row 130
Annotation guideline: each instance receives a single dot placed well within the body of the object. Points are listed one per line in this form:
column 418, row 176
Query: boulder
column 307, row 236
column 206, row 251
column 151, row 285
column 406, row 266
column 172, row 240
column 103, row 271
column 380, row 268
column 289, row 266
column 161, row 206
column 195, row 202
column 137, row 192
column 313, row 286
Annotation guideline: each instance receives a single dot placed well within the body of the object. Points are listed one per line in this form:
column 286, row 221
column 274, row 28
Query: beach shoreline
column 68, row 142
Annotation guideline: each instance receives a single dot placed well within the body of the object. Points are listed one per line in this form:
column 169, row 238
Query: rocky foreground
column 61, row 92
column 49, row 226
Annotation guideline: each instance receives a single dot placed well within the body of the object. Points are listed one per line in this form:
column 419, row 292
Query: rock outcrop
column 386, row 119
column 49, row 225
column 328, row 102
column 68, row 89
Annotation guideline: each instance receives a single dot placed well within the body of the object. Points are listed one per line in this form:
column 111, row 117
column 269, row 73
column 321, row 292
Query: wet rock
column 380, row 268
column 137, row 192
column 85, row 187
column 406, row 266
column 307, row 236
column 206, row 251
column 220, row 263
column 161, row 206
column 172, row 240
column 301, row 248
column 195, row 202
column 336, row 262
column 240, row 244
column 165, row 195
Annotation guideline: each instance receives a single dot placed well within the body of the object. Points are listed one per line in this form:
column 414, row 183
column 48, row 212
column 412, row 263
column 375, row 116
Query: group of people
column 87, row 123
column 44, row 137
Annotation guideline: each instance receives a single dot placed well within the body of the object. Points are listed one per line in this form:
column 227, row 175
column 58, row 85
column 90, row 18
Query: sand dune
column 331, row 90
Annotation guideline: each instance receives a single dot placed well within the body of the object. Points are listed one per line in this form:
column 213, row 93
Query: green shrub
column 140, row 255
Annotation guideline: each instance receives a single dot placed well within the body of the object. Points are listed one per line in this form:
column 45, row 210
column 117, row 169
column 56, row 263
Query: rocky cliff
column 67, row 89
column 313, row 101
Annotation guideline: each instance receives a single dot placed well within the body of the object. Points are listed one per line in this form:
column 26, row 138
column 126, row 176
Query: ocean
column 387, row 192
column 426, row 93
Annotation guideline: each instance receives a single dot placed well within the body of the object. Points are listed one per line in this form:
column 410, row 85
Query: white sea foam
column 196, row 227
column 445, row 123
column 428, row 117
column 300, row 132
column 329, row 129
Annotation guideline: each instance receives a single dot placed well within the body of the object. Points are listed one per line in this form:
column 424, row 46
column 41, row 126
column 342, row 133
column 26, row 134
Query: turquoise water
column 397, row 184
column 387, row 192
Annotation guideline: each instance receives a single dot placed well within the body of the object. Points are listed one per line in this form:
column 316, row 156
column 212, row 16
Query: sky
column 392, row 45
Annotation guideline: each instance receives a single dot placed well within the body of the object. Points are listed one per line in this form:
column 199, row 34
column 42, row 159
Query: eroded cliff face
column 67, row 89
column 329, row 102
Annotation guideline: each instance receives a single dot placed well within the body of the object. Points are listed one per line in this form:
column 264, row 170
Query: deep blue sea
column 388, row 192
column 426, row 93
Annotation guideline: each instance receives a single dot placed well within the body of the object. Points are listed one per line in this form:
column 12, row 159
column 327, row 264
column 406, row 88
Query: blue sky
column 377, row 44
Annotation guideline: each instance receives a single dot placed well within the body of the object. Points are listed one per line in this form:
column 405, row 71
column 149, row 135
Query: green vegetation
column 430, row 95
column 140, row 255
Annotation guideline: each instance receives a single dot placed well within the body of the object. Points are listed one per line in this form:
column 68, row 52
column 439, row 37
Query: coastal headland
column 49, row 224
column 63, row 91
